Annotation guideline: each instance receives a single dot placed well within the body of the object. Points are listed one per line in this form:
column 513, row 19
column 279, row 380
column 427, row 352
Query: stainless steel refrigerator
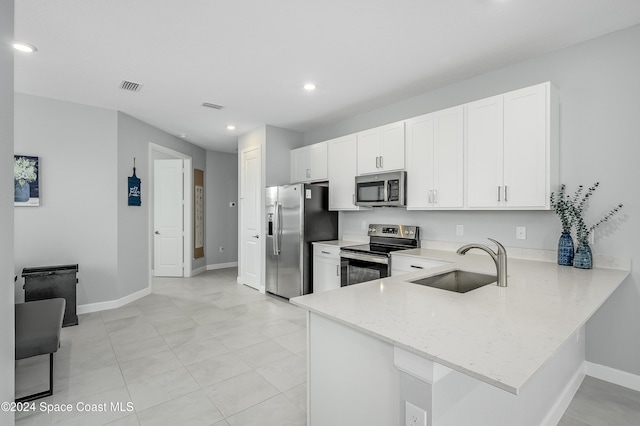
column 297, row 215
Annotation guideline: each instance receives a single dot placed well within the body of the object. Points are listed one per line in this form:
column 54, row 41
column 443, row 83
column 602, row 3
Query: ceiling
column 253, row 56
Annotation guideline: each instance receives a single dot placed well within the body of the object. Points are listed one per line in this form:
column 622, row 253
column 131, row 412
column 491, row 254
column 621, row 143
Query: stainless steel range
column 372, row 261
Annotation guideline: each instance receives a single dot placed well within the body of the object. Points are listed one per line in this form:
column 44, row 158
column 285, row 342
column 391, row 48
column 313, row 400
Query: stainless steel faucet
column 500, row 259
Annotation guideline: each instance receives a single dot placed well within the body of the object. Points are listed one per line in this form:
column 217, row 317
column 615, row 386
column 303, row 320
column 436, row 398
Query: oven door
column 361, row 267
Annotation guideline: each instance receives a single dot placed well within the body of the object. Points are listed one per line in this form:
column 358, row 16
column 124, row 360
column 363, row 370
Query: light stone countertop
column 499, row 335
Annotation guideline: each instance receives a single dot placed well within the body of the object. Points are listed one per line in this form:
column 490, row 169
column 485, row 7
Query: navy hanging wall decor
column 134, row 188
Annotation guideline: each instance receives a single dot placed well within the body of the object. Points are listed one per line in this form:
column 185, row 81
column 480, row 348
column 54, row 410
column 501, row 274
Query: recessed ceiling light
column 24, row 47
column 231, row 127
column 309, row 86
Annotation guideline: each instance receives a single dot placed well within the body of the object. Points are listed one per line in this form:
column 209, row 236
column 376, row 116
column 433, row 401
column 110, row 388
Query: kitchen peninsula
column 498, row 356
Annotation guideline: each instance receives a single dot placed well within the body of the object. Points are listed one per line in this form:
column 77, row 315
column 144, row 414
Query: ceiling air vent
column 210, row 105
column 130, row 86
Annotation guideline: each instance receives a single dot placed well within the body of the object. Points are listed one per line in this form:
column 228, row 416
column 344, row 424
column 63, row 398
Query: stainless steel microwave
column 381, row 190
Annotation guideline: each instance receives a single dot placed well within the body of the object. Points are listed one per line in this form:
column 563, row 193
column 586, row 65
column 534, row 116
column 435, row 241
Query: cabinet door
column 300, row 165
column 318, row 161
column 419, row 161
column 483, row 148
column 392, row 147
column 448, row 160
column 368, row 151
column 326, row 273
column 525, row 147
column 342, row 170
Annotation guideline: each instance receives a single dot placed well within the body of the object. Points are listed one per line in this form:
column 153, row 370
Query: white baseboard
column 197, row 271
column 562, row 403
column 112, row 304
column 221, row 265
column 611, row 375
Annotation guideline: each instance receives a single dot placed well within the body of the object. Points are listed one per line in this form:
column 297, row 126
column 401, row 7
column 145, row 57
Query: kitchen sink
column 457, row 280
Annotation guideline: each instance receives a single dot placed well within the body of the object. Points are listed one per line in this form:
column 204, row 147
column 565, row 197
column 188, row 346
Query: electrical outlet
column 363, row 225
column 414, row 416
column 459, row 230
column 521, row 233
column 221, row 249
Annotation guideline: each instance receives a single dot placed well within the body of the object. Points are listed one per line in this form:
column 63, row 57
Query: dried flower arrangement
column 570, row 209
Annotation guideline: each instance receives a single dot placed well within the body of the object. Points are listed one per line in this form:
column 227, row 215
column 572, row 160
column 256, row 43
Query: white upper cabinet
column 342, row 155
column 511, row 149
column 309, row 163
column 381, row 149
column 435, row 161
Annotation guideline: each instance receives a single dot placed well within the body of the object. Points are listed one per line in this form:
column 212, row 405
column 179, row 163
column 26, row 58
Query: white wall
column 7, row 348
column 76, row 221
column 599, row 132
column 221, row 188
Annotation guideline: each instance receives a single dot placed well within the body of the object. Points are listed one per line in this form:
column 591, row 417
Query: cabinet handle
column 435, row 196
column 505, row 193
column 337, row 270
column 325, row 252
column 308, row 173
column 417, row 267
column 499, row 188
column 381, row 166
column 430, row 201
column 377, row 162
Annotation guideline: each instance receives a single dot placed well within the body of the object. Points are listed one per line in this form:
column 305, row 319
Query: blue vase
column 22, row 192
column 565, row 249
column 583, row 258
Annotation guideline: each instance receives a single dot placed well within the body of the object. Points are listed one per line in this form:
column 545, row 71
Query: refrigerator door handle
column 279, row 229
column 276, row 223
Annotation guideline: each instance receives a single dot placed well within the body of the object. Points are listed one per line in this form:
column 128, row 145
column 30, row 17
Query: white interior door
column 250, row 210
column 167, row 218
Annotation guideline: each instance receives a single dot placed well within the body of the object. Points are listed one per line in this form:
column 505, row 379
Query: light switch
column 521, row 233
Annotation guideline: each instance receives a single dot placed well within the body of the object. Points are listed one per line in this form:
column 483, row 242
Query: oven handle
column 365, row 257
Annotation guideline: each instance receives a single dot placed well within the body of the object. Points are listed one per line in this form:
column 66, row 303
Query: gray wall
column 86, row 154
column 77, row 218
column 7, row 354
column 599, row 132
column 221, row 224
column 134, row 137
column 279, row 143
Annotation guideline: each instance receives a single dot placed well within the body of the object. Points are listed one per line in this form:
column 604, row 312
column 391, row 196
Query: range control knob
column 411, row 232
column 372, row 229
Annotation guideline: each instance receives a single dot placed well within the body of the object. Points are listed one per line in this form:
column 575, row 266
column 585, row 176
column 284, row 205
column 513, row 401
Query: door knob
column 157, row 233
column 256, row 236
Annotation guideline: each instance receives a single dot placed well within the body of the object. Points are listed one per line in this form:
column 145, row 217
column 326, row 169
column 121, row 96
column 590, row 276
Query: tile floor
column 198, row 351
column 208, row 351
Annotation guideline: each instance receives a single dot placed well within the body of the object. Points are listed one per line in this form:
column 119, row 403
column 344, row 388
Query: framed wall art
column 198, row 213
column 26, row 175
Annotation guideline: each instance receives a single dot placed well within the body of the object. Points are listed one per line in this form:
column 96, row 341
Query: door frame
column 187, row 208
column 261, row 218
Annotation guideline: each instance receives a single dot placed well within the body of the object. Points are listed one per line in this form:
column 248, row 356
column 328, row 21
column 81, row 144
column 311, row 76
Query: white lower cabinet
column 326, row 267
column 405, row 264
